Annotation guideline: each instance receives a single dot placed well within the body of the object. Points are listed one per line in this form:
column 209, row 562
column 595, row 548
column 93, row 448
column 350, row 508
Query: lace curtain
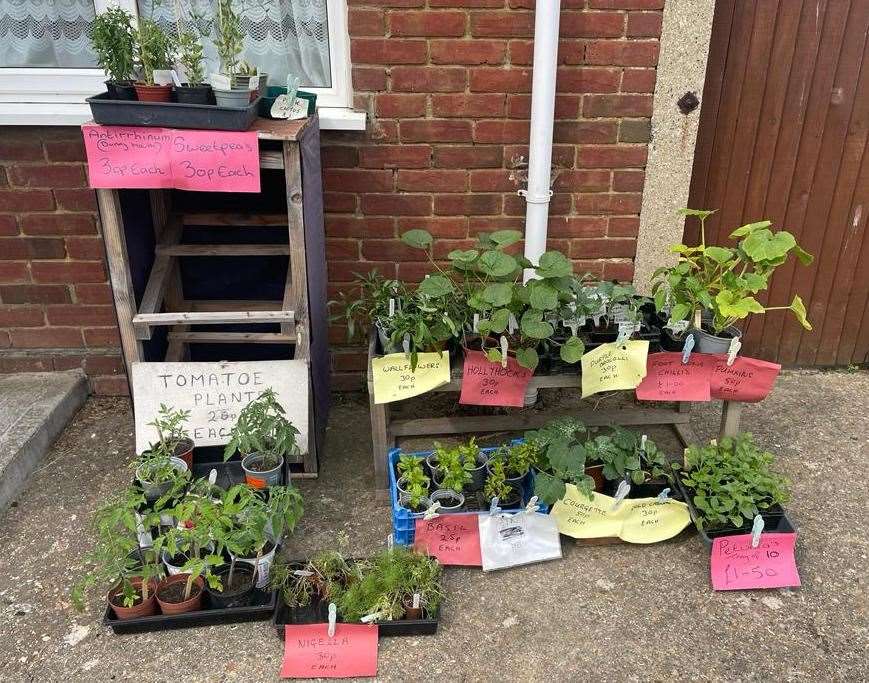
column 281, row 36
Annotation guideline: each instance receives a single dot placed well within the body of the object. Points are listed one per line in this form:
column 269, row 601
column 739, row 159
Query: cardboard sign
column 395, row 381
column 489, row 384
column 610, row 367
column 668, row 379
column 635, row 520
column 214, row 393
column 452, row 539
column 199, row 160
column 735, row 565
column 748, row 379
column 309, row 652
column 510, row 540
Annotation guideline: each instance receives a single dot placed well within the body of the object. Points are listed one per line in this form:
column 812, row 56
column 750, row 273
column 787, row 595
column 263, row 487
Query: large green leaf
column 527, row 358
column 749, row 228
column 566, row 458
column 571, row 351
column 418, row 239
column 804, row 257
column 457, row 256
column 799, row 309
column 499, row 320
column 436, row 286
column 543, row 296
column 533, row 325
column 497, row 264
column 730, row 305
column 498, row 293
column 764, row 245
column 754, row 282
column 700, row 213
column 680, row 312
column 549, row 489
column 494, row 355
column 720, row 255
column 554, row 264
column 504, row 238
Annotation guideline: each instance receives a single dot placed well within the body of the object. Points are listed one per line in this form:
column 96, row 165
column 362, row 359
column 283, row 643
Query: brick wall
column 446, row 84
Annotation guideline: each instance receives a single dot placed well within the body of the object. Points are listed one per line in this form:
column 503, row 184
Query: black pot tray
column 405, row 627
column 109, row 112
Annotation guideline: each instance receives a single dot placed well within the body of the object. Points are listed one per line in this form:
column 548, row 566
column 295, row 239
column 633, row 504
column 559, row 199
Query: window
column 47, row 67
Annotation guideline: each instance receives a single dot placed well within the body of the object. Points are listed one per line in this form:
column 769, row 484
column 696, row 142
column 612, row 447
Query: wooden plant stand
column 386, row 431
column 300, row 313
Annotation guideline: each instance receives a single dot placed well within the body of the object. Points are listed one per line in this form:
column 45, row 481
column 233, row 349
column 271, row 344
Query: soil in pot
column 404, row 502
column 170, row 594
column 184, row 451
column 478, row 474
column 604, row 335
column 411, row 612
column 153, row 93
column 651, row 488
column 121, row 90
column 194, row 94
column 596, row 473
column 239, row 593
column 450, row 500
column 671, row 341
column 260, row 475
column 140, row 608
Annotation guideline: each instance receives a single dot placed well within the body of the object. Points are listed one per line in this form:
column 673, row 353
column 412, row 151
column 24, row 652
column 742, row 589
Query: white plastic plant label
column 511, row 540
column 677, row 326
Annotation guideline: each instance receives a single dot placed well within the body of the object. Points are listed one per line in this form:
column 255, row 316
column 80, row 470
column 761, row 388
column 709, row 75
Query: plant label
column 510, row 540
column 485, row 383
column 197, row 160
column 394, row 380
column 748, row 379
column 309, row 651
column 611, row 367
column 214, row 393
column 735, row 565
column 668, row 379
column 220, row 81
column 452, row 539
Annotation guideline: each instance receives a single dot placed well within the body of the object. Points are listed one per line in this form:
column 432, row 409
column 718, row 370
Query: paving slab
column 616, row 613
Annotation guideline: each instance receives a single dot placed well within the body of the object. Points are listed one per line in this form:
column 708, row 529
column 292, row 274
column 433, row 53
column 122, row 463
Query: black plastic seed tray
column 318, row 614
column 261, row 608
column 111, row 112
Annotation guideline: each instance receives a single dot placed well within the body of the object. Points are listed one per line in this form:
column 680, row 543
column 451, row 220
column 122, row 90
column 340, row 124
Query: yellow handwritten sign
column 635, row 520
column 614, row 366
column 394, row 380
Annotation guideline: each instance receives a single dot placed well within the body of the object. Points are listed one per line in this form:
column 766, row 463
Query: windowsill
column 60, row 114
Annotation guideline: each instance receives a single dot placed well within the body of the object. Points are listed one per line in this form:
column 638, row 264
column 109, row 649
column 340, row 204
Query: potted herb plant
column 517, row 458
column 191, row 56
column 563, row 460
column 498, row 487
column 172, row 435
column 451, row 475
column 229, row 43
column 725, row 280
column 158, row 471
column 154, row 50
column 112, row 39
column 264, row 437
column 412, row 484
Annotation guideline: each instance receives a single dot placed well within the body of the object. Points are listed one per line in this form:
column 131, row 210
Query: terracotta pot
column 596, row 473
column 411, row 612
column 193, row 604
column 143, row 609
column 153, row 93
column 184, row 451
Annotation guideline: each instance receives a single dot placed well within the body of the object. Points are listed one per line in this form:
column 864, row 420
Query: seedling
column 263, row 428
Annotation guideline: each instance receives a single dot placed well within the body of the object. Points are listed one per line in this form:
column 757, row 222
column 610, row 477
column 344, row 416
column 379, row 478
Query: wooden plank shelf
column 224, row 250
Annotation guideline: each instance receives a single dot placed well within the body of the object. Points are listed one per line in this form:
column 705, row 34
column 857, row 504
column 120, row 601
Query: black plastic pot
column 121, row 90
column 240, row 597
column 603, row 335
column 478, row 475
column 670, row 342
column 427, row 626
column 194, row 94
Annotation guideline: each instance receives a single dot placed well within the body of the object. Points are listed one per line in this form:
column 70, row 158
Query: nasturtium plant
column 725, row 280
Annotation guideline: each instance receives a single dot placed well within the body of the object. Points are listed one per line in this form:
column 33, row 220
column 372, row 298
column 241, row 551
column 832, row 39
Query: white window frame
column 56, row 96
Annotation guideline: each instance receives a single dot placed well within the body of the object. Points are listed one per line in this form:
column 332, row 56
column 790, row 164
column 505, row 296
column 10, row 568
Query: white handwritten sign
column 214, row 393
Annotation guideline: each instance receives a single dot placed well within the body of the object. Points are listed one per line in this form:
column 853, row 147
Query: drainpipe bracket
column 535, row 198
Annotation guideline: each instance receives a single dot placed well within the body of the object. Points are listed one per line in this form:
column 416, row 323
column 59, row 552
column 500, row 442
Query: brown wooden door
column 783, row 134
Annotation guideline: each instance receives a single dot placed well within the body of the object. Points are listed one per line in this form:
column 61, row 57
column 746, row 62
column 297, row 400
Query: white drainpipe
column 542, row 114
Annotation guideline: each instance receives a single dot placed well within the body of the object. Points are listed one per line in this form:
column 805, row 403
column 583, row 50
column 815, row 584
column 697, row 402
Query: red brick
column 468, row 106
column 616, row 105
column 591, row 24
column 99, row 337
column 339, row 202
column 396, row 204
column 93, row 293
column 436, row 130
column 415, row 271
column 584, row 132
column 587, row 79
column 477, row 156
column 435, row 180
column 638, row 80
column 110, row 386
column 569, row 52
column 20, row 150
column 467, row 204
column 502, row 24
column 395, row 156
column 357, row 180
column 339, row 156
column 57, row 224
column 503, row 131
column 618, row 270
column 388, row 3
column 387, row 51
column 611, row 156
column 490, row 79
column 352, row 226
column 65, row 150
column 442, row 248
column 562, row 155
column 46, row 338
column 5, row 342
column 622, row 52
column 384, row 131
column 603, row 203
column 369, row 78
column 453, row 227
column 602, row 248
column 393, row 250
column 13, row 271
column 594, row 180
column 76, row 200
column 393, row 106
column 592, row 268
column 623, row 226
column 626, row 4
column 559, row 204
column 26, row 364
column 87, row 248
column 21, row 316
column 365, row 22
column 577, row 226
column 349, row 361
column 498, row 180
column 428, row 79
column 427, row 24
column 23, row 248
column 644, row 24
column 348, row 271
column 628, row 181
column 635, row 130
column 68, row 271
column 470, row 52
column 34, row 294
column 341, row 249
column 466, row 3
column 80, row 314
column 104, row 365
column 566, row 106
column 481, row 224
column 47, row 176
column 15, row 201
column 8, row 226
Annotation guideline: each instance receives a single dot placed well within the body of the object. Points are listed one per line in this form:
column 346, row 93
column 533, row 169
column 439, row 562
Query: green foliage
column 155, row 467
column 724, row 280
column 192, row 57
column 323, row 578
column 371, row 305
column 154, row 49
column 112, row 38
column 496, row 483
column 561, row 459
column 416, row 483
column 456, row 464
column 622, row 456
column 171, row 431
column 731, row 482
column 518, row 458
column 230, row 39
column 263, row 428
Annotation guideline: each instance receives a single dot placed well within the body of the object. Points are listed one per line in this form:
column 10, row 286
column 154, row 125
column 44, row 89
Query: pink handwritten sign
column 309, row 652
column 748, row 379
column 488, row 384
column 735, row 565
column 668, row 379
column 452, row 539
column 198, row 160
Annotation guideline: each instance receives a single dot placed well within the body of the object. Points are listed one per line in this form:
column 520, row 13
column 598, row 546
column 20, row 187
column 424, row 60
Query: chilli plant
column 725, row 280
column 262, row 427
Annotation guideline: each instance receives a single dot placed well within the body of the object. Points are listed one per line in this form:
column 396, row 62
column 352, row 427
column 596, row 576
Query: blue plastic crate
column 404, row 521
